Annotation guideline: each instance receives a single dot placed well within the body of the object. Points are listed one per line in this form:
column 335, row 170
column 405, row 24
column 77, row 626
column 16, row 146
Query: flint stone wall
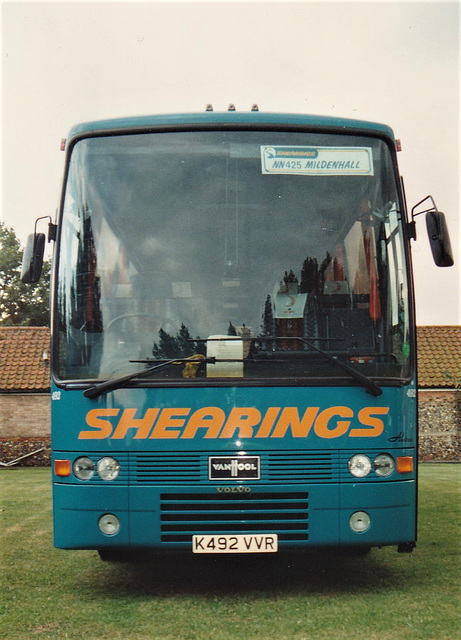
column 440, row 425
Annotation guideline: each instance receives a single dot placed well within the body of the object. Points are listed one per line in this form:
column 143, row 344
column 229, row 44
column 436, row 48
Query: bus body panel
column 188, row 121
column 295, row 457
column 257, row 417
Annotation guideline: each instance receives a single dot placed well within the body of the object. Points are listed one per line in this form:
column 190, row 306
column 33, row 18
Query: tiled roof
column 439, row 357
column 22, row 365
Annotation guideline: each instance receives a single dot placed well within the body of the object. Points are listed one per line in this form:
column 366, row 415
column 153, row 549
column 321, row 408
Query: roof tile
column 22, row 367
column 439, row 356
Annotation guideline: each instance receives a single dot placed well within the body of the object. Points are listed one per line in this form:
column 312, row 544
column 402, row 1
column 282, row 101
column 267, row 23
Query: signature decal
column 401, row 437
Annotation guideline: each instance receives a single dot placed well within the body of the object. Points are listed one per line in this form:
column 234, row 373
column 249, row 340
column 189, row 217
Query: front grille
column 291, row 467
column 184, row 515
column 168, row 468
column 188, row 468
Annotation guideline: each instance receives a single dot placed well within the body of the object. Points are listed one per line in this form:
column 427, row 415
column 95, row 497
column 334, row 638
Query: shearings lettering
column 240, row 422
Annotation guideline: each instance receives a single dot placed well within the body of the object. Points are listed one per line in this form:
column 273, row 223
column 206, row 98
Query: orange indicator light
column 62, row 468
column 405, row 464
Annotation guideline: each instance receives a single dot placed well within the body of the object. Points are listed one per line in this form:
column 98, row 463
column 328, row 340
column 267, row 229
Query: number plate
column 264, row 543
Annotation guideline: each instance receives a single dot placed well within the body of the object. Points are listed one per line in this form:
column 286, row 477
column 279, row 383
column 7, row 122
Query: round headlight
column 108, row 468
column 109, row 524
column 359, row 521
column 83, row 468
column 359, row 465
column 384, row 465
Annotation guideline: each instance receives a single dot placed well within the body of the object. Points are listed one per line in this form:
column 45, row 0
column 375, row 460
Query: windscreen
column 231, row 257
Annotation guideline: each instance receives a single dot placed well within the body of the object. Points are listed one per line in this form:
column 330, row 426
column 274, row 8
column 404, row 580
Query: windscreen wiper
column 365, row 381
column 109, row 385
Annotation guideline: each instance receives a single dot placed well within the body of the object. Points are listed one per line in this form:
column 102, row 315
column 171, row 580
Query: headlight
column 84, row 468
column 359, row 465
column 384, row 465
column 108, row 468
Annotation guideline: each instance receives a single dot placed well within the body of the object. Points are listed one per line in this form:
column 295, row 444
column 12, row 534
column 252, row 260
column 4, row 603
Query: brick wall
column 24, row 415
column 25, row 428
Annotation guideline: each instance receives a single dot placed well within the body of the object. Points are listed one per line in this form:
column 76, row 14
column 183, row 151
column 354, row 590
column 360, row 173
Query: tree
column 20, row 304
column 180, row 346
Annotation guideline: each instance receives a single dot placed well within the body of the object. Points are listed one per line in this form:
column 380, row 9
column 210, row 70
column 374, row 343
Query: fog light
column 84, row 468
column 108, row 468
column 109, row 524
column 359, row 521
column 359, row 465
column 384, row 465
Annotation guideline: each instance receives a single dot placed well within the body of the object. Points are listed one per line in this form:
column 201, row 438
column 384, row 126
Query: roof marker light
column 63, row 144
column 231, row 107
column 209, row 107
column 398, row 144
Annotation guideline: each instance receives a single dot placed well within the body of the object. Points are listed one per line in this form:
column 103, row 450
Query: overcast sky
column 391, row 62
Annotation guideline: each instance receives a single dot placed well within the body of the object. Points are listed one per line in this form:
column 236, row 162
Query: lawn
column 50, row 593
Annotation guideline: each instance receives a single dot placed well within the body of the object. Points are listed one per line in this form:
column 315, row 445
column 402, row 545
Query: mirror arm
column 411, row 226
column 52, row 228
column 433, row 208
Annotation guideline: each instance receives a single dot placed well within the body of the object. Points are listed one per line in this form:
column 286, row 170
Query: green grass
column 49, row 593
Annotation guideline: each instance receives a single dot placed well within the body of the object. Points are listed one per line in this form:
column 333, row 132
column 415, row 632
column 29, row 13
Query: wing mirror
column 439, row 238
column 437, row 232
column 32, row 258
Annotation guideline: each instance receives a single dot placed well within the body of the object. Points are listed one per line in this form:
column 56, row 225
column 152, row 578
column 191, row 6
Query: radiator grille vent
column 168, row 468
column 184, row 515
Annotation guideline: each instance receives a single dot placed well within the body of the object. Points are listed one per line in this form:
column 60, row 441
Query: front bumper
column 303, row 516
